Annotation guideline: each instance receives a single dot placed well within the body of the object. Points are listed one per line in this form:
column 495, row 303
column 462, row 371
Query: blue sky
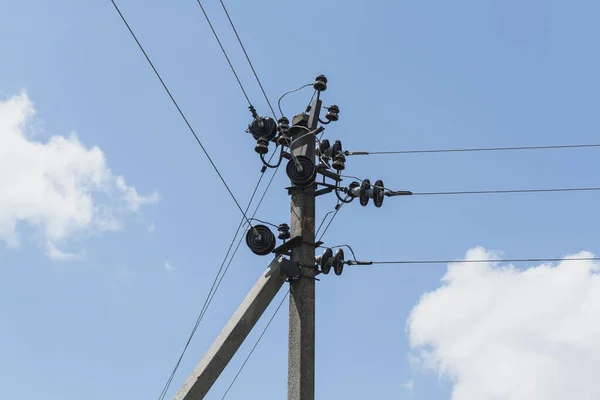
column 405, row 74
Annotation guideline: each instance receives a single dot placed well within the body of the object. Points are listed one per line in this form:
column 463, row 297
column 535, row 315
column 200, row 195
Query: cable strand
column 180, row 111
column 248, row 58
column 255, row 345
column 224, row 52
column 472, row 149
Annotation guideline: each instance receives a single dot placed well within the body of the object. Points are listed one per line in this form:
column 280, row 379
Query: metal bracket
column 324, row 191
column 329, row 174
column 289, row 245
column 298, row 189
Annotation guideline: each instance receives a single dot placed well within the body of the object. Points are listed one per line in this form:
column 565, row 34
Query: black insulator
column 339, row 162
column 364, row 192
column 325, row 261
column 263, row 127
column 262, row 146
column 338, row 262
column 337, row 148
column 324, row 145
column 260, row 240
column 333, row 113
column 303, row 176
column 351, row 188
column 283, row 140
column 378, row 193
column 320, row 83
column 283, row 232
column 283, row 126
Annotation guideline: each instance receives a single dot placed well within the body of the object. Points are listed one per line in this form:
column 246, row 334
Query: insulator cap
column 325, row 261
column 378, row 193
column 323, row 147
column 364, row 196
column 338, row 262
column 333, row 113
column 320, row 83
column 283, row 231
column 339, row 162
column 262, row 146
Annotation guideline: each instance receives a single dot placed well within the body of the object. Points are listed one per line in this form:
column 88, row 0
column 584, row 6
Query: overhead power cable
column 586, row 189
column 479, row 261
column 247, row 56
column 331, row 220
column 218, row 278
column 255, row 345
column 291, row 91
column 181, row 112
column 465, row 150
column 224, row 52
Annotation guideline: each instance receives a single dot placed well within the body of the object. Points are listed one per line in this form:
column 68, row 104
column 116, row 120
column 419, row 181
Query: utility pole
column 301, row 345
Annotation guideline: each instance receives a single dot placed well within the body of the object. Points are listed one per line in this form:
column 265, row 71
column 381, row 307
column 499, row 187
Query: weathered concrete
column 233, row 335
column 301, row 340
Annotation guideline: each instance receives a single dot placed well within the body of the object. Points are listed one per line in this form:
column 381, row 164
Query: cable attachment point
column 365, row 191
column 284, row 132
column 301, row 170
column 260, row 240
column 253, row 111
column 328, row 260
column 320, row 84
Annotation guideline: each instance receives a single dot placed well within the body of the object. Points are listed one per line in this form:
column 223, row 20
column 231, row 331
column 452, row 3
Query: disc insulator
column 303, row 176
column 378, row 193
column 338, row 262
column 326, row 261
column 265, row 128
column 364, row 195
column 260, row 240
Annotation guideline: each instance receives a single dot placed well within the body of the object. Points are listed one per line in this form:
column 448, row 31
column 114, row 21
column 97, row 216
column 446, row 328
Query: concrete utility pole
column 301, row 345
column 300, row 269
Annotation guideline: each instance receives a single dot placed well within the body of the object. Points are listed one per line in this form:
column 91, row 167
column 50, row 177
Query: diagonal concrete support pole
column 233, row 335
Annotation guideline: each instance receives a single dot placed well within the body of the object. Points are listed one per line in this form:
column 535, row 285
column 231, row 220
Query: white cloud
column 498, row 332
column 60, row 187
column 168, row 266
column 152, row 228
column 409, row 385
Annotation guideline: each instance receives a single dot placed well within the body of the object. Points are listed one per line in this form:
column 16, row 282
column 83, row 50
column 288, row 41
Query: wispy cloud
column 169, row 267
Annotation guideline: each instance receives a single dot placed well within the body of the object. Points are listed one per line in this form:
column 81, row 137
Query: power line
column 247, row 57
column 330, row 221
column 323, row 221
column 587, row 189
column 481, row 261
column 224, row 52
column 256, row 344
column 180, row 111
column 217, row 281
column 465, row 150
column 291, row 91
